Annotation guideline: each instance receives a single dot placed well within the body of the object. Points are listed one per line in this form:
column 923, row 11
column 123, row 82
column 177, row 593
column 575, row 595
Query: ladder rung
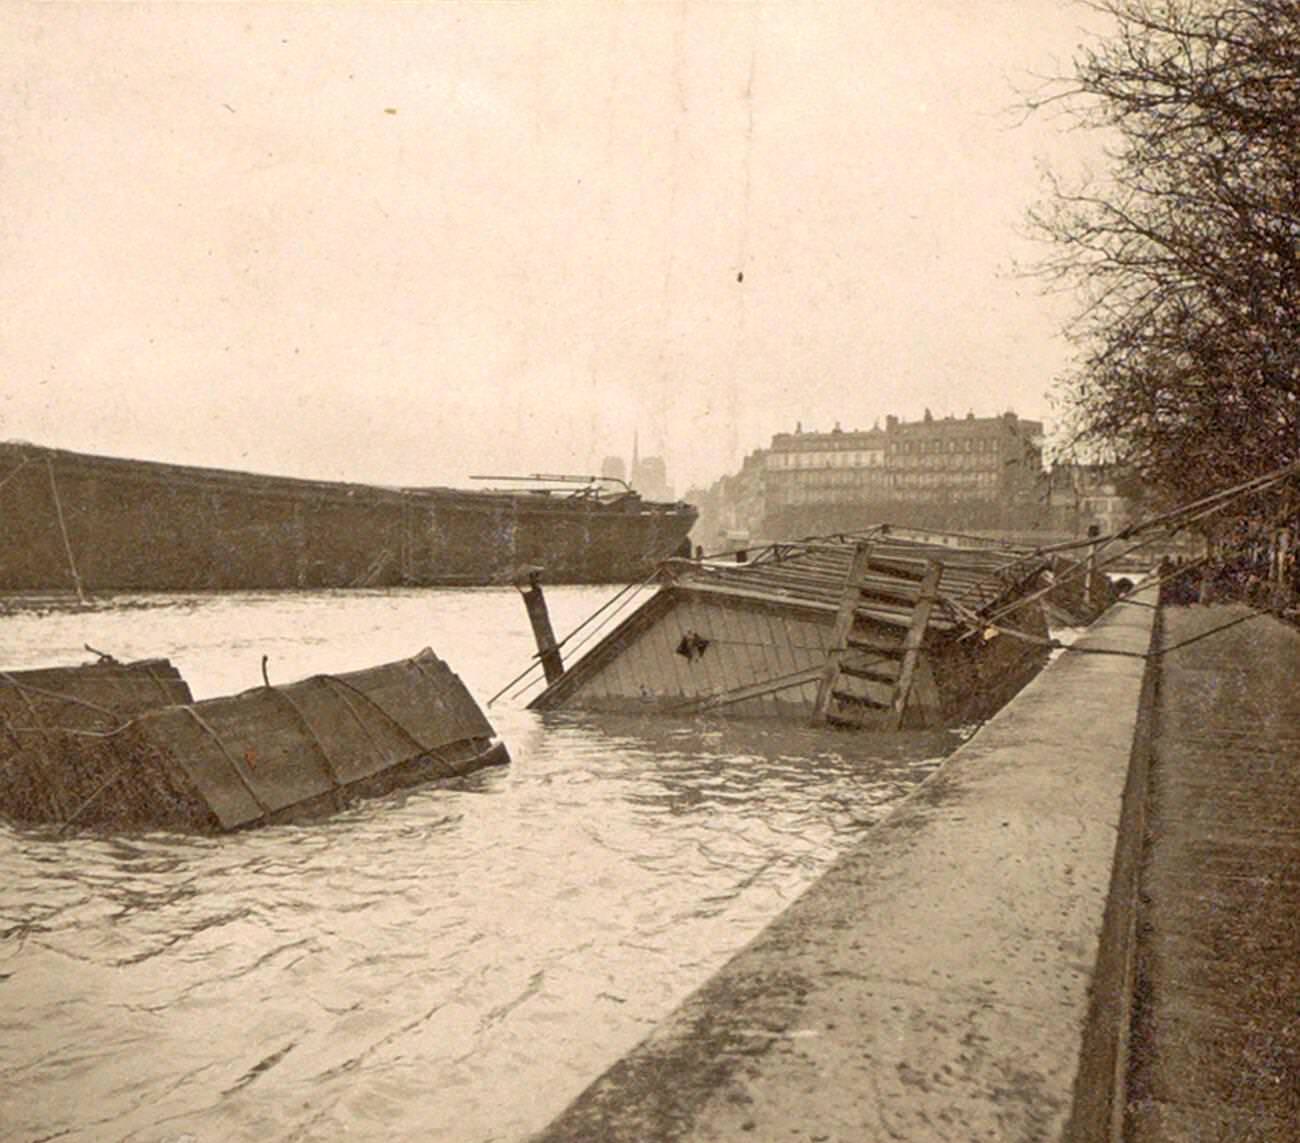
column 851, row 699
column 893, row 649
column 868, row 673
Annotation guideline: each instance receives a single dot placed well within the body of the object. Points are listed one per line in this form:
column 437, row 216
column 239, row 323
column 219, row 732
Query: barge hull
column 76, row 522
column 868, row 633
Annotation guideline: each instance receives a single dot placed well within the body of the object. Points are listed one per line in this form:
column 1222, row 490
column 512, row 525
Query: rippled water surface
column 453, row 963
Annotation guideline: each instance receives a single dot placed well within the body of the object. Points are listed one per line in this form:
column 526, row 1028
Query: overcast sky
column 411, row 243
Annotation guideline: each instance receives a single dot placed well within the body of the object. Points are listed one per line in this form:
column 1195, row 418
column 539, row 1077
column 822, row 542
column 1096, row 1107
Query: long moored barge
column 79, row 522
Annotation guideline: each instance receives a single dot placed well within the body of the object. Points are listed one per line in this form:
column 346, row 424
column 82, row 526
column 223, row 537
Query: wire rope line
column 1158, row 525
column 1191, row 512
column 15, row 470
column 536, row 662
column 593, row 633
column 1071, row 648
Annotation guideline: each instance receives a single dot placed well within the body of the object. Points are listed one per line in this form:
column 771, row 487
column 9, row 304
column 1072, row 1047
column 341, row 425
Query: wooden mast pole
column 548, row 650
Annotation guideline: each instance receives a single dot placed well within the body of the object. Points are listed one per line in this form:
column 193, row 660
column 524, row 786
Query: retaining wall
column 964, row 973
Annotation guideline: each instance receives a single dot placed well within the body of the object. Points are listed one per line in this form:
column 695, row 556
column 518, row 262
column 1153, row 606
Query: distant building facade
column 647, row 474
column 961, row 474
column 732, row 507
column 1082, row 496
column 613, row 468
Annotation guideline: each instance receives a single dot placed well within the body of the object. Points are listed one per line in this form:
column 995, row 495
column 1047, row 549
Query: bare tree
column 1186, row 252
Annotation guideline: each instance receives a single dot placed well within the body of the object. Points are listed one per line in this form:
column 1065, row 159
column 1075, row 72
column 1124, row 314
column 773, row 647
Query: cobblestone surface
column 1216, row 1047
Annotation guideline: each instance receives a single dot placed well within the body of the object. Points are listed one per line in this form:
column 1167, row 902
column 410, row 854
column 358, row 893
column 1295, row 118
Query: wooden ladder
column 874, row 660
column 926, row 598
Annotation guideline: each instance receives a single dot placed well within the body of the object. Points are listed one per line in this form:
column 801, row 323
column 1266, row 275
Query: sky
column 412, row 243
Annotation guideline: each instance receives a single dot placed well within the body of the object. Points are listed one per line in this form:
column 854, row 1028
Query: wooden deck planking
column 781, row 654
column 812, row 643
column 635, row 667
column 742, row 634
column 767, row 654
column 678, row 669
column 678, row 679
column 609, row 676
column 772, row 664
column 712, row 679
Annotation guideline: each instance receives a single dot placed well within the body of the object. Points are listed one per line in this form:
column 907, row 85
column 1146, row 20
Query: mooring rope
column 634, row 588
column 20, row 686
column 225, row 750
column 15, row 470
column 1072, row 648
column 587, row 638
column 1186, row 514
column 63, row 530
column 118, row 773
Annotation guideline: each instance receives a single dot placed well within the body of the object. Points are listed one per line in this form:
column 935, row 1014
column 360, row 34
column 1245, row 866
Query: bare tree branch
column 1185, row 258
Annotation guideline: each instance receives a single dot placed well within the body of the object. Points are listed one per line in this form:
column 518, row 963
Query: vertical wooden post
column 1280, row 587
column 404, row 576
column 63, row 530
column 925, row 601
column 547, row 648
column 1090, row 592
column 925, row 693
column 843, row 626
column 299, row 546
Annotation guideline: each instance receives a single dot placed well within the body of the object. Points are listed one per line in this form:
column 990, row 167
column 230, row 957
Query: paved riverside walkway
column 1215, row 1054
column 958, row 975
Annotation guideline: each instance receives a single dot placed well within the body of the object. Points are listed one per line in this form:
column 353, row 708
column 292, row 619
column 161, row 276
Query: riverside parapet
column 962, row 974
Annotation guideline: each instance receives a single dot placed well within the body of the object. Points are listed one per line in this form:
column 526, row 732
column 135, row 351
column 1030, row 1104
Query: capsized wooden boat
column 866, row 631
column 133, row 758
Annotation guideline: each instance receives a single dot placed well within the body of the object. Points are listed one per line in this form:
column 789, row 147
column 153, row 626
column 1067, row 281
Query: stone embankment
column 963, row 974
column 1084, row 927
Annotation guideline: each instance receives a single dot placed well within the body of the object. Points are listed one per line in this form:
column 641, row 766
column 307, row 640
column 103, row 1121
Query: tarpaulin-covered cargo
column 53, row 724
column 270, row 754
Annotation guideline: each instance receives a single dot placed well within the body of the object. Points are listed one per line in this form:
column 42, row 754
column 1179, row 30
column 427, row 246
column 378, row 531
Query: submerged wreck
column 871, row 632
column 123, row 746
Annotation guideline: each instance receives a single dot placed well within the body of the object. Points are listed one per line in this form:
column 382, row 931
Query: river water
column 453, row 963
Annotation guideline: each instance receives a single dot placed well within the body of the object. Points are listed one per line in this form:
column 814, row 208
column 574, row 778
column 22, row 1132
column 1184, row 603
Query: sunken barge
column 869, row 632
column 82, row 523
column 124, row 747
